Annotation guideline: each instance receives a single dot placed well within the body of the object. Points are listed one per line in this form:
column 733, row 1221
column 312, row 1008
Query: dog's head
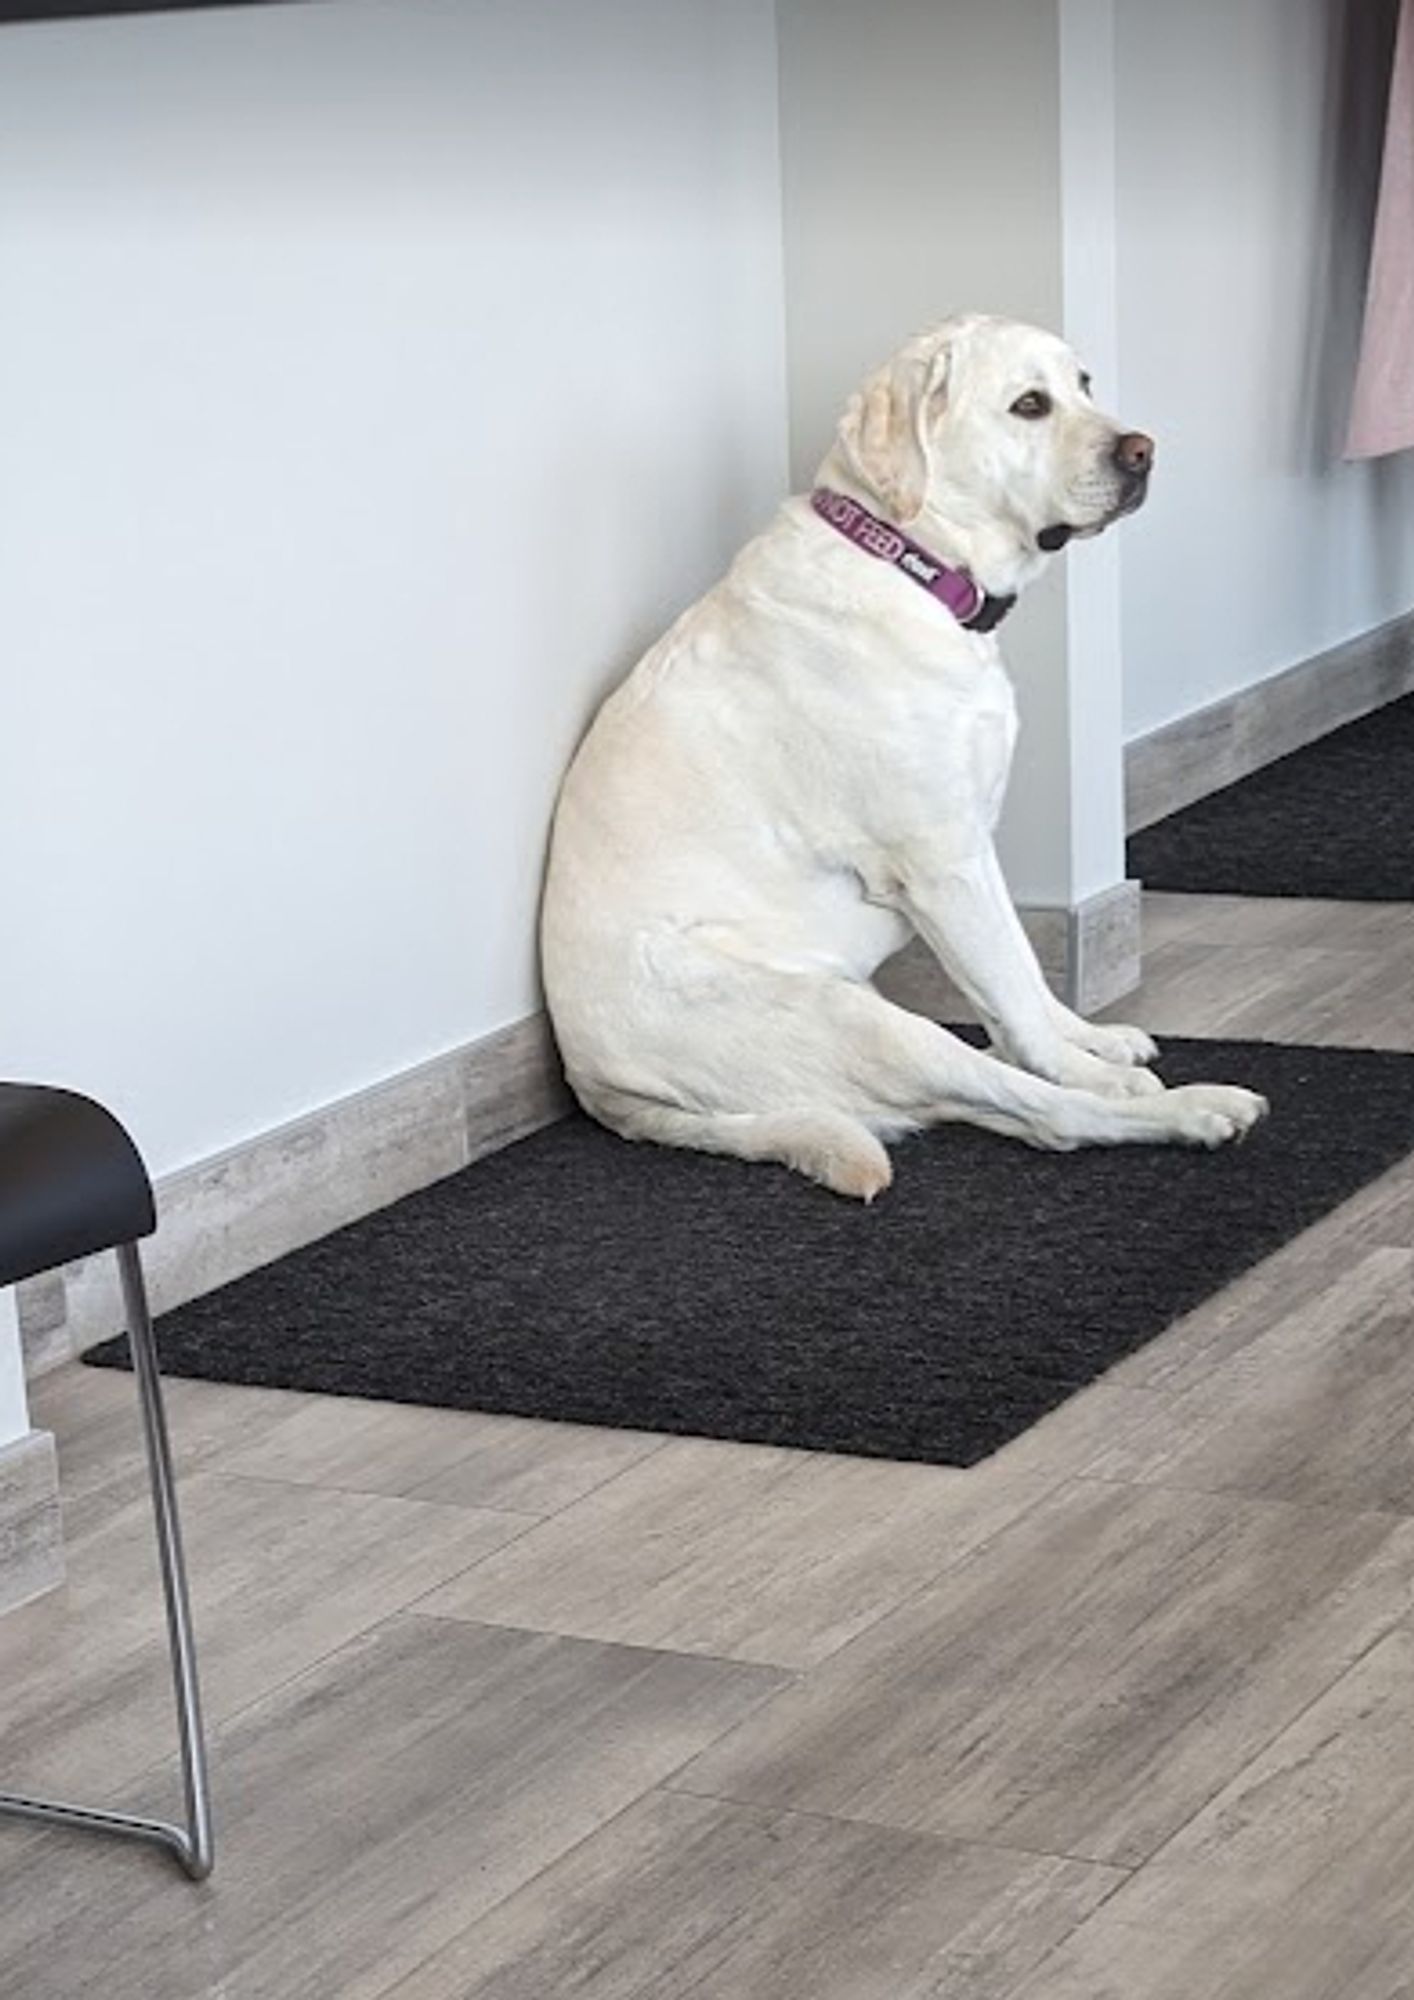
column 987, row 426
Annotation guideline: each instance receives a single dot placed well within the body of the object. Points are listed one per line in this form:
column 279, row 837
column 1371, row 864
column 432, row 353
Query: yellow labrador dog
column 807, row 770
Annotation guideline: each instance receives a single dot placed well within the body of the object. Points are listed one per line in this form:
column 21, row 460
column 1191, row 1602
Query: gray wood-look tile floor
column 511, row 1711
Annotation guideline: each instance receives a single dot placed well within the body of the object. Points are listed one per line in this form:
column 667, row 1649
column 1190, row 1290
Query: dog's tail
column 825, row 1146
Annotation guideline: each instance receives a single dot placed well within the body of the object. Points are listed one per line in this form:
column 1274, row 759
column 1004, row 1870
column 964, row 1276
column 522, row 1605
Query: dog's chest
column 963, row 745
column 992, row 738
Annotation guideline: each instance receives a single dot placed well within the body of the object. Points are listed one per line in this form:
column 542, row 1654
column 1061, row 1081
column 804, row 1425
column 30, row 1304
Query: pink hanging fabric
column 1382, row 416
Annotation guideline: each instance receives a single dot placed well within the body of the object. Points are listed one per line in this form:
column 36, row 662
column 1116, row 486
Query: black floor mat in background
column 1333, row 820
column 575, row 1276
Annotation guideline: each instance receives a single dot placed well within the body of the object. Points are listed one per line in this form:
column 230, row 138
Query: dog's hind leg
column 906, row 1070
column 826, row 1146
column 817, row 1071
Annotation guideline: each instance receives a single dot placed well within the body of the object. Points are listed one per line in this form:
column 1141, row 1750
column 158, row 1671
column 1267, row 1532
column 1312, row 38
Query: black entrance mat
column 576, row 1276
column 1334, row 820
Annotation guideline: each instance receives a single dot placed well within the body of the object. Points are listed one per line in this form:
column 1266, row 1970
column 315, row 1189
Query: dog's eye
column 1084, row 384
column 1035, row 403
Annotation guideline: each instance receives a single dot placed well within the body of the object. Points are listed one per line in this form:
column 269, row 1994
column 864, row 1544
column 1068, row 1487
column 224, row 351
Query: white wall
column 377, row 377
column 886, row 111
column 1248, row 143
column 940, row 155
column 375, row 380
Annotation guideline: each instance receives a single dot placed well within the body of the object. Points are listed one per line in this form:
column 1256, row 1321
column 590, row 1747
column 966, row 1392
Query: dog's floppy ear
column 884, row 432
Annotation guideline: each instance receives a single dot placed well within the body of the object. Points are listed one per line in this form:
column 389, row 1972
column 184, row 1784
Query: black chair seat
column 71, row 1181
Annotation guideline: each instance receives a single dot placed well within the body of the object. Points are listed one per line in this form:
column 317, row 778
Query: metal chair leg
column 192, row 1844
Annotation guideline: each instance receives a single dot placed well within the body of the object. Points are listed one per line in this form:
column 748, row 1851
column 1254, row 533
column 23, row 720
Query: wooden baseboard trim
column 1215, row 746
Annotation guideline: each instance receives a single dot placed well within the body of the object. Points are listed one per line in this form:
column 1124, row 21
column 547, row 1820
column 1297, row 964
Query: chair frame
column 192, row 1843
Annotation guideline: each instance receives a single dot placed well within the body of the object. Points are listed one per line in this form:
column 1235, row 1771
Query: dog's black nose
column 1134, row 453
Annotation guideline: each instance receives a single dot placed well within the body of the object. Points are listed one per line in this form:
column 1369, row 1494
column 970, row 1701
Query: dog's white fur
column 806, row 770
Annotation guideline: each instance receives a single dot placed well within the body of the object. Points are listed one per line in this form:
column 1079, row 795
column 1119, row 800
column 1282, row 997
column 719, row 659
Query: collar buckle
column 989, row 613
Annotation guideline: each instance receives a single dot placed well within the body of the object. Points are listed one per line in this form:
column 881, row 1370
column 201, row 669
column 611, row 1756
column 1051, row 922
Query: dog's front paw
column 1113, row 1043
column 1080, row 1070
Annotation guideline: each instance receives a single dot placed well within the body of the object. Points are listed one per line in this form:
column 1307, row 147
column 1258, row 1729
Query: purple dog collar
column 962, row 594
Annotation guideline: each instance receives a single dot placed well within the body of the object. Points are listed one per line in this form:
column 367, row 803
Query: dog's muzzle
column 1133, row 459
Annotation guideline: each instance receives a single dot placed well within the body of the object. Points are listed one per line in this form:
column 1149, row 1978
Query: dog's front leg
column 961, row 907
